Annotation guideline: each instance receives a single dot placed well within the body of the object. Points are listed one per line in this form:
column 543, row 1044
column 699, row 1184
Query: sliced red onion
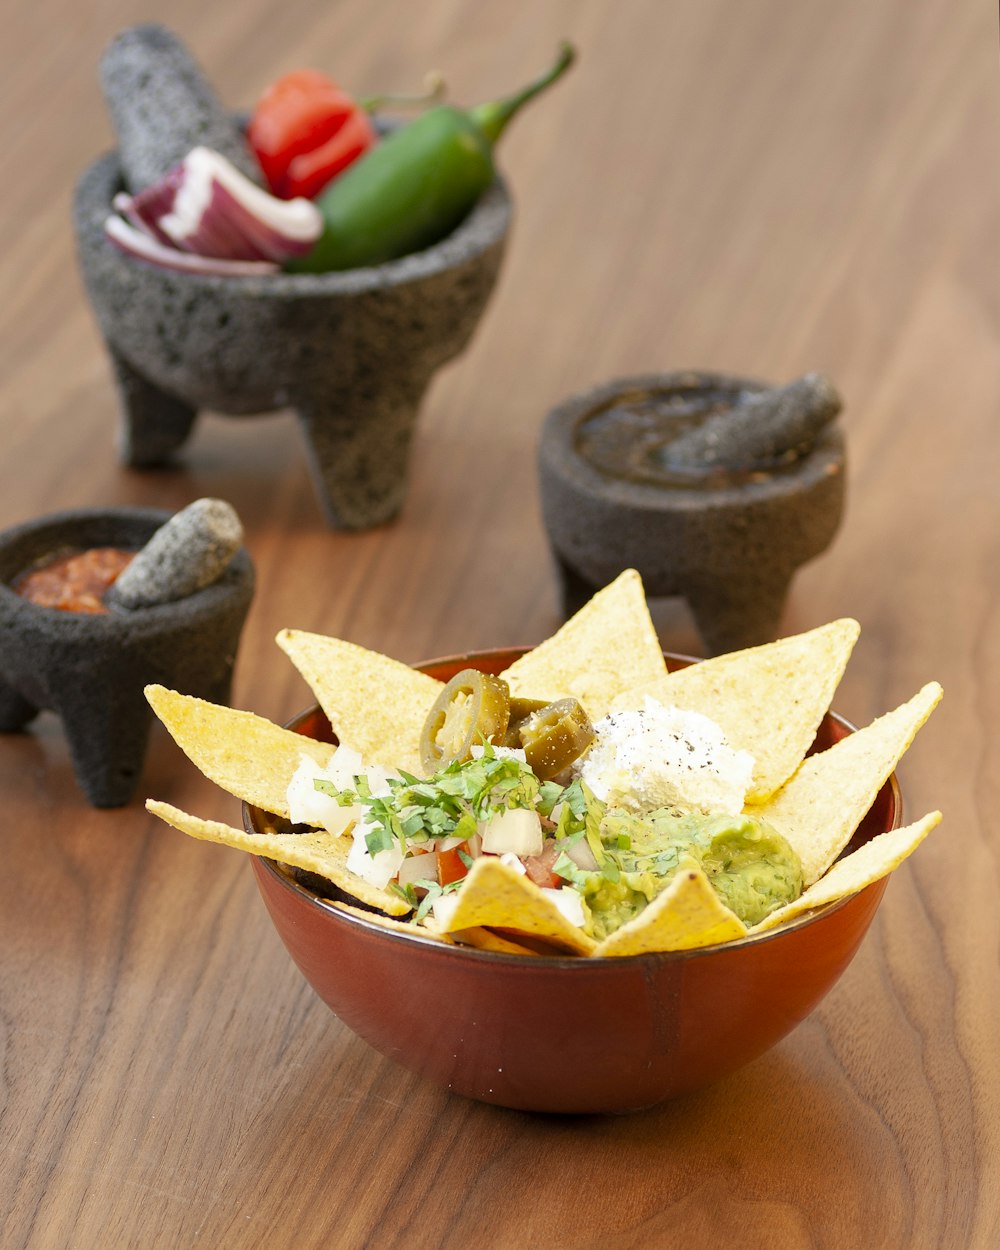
column 143, row 245
column 206, row 208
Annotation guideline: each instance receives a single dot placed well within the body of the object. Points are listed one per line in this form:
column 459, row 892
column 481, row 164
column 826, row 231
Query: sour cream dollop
column 658, row 756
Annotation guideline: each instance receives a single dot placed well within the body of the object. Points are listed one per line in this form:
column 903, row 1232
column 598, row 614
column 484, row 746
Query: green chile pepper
column 520, row 710
column 554, row 736
column 472, row 708
column 417, row 184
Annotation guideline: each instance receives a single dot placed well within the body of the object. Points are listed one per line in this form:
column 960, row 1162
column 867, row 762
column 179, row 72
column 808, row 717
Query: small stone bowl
column 91, row 669
column 730, row 550
column 566, row 1035
column 352, row 352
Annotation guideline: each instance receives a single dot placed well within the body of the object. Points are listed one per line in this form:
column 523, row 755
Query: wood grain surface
column 766, row 188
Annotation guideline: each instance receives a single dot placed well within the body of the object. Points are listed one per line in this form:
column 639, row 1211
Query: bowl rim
column 356, row 918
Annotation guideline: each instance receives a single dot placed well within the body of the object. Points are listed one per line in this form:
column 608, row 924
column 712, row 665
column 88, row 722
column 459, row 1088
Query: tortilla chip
column 318, row 852
column 768, row 700
column 820, row 808
column 374, row 704
column 496, row 896
column 871, row 862
column 388, row 922
column 245, row 754
column 608, row 646
column 487, row 940
column 684, row 916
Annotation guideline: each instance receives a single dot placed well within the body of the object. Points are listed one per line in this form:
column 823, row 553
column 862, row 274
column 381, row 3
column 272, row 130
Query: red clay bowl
column 564, row 1034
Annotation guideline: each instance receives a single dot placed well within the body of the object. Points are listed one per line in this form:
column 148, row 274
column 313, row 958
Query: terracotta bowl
column 564, row 1034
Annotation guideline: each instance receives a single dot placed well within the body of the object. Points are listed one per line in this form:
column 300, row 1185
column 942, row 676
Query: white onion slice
column 516, row 829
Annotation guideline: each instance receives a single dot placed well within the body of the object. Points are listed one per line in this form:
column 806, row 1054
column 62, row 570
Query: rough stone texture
column 91, row 670
column 731, row 552
column 191, row 551
column 162, row 105
column 353, row 352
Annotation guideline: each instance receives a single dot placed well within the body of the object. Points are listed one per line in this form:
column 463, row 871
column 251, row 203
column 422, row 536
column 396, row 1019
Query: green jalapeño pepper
column 416, row 185
column 473, row 708
column 520, row 710
column 554, row 736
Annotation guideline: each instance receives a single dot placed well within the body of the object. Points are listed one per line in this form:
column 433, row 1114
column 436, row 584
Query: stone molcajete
column 351, row 352
column 715, row 488
column 91, row 669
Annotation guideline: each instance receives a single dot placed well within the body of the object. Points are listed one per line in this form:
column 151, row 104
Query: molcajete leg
column 107, row 731
column 741, row 608
column 359, row 442
column 15, row 710
column 154, row 424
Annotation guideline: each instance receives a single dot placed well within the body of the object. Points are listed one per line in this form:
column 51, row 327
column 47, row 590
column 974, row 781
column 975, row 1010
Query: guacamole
column 750, row 865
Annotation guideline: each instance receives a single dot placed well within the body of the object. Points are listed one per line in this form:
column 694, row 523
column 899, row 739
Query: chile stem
column 491, row 118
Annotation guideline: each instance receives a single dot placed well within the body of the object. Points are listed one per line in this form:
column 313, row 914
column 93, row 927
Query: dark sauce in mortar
column 628, row 436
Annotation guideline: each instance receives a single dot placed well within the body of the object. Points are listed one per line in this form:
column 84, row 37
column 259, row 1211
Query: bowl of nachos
column 583, row 877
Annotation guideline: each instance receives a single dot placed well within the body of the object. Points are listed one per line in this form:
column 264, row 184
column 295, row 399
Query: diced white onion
column 517, row 829
column 581, row 855
column 569, row 902
column 443, row 908
column 309, row 806
column 512, row 861
column 377, row 870
column 421, row 867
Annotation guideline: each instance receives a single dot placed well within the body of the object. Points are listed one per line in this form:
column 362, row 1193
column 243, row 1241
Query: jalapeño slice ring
column 473, row 708
column 520, row 710
column 554, row 736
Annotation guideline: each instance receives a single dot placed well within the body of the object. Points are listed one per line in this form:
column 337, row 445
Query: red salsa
column 76, row 581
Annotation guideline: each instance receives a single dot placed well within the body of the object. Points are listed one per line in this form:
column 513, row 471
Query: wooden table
column 765, row 188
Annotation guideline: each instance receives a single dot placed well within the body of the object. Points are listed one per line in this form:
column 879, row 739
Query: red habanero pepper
column 304, row 131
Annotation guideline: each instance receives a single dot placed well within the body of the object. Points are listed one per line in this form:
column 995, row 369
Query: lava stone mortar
column 352, row 352
column 91, row 669
column 729, row 550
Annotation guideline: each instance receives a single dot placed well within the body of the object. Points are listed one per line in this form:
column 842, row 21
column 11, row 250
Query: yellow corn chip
column 388, row 922
column 318, row 852
column 686, row 915
column 245, row 754
column 823, row 804
column 874, row 860
column 374, row 704
column 768, row 700
column 496, row 896
column 487, row 940
column 608, row 646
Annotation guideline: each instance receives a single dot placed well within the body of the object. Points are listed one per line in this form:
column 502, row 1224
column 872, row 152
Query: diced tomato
column 450, row 866
column 539, row 867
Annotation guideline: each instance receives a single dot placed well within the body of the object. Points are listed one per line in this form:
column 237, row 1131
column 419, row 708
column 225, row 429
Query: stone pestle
column 191, row 551
column 161, row 106
column 762, row 429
